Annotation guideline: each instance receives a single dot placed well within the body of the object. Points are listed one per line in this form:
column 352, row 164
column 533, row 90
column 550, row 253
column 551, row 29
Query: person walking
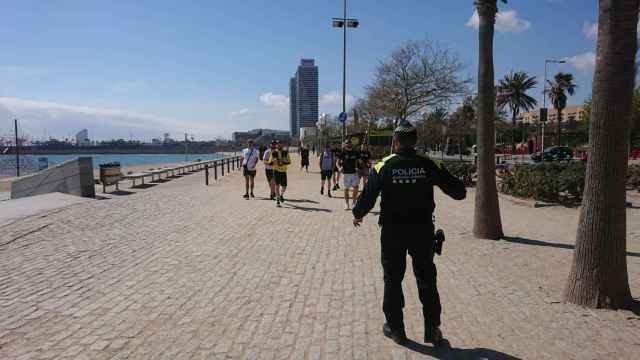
column 336, row 170
column 304, row 159
column 348, row 163
column 250, row 157
column 268, row 169
column 365, row 163
column 406, row 181
column 327, row 164
column 280, row 159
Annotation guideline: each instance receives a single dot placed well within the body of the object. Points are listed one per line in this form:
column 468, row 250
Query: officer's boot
column 432, row 334
column 395, row 333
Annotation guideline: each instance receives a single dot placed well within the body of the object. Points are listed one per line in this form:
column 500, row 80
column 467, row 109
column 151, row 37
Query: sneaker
column 278, row 203
column 335, row 187
column 433, row 335
column 282, row 199
column 252, row 195
column 347, row 207
column 321, row 191
column 272, row 197
column 338, row 186
column 329, row 193
column 246, row 196
column 397, row 335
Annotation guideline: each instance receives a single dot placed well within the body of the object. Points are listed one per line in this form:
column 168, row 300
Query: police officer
column 406, row 181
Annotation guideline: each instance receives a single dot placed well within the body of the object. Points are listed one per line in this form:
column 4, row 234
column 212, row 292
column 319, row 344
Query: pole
column 344, row 71
column 186, row 156
column 15, row 123
column 544, row 105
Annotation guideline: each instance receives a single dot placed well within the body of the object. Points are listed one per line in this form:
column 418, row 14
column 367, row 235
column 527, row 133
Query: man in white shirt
column 268, row 169
column 250, row 157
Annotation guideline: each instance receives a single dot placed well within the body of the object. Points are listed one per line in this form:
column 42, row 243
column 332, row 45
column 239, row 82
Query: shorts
column 281, row 178
column 247, row 172
column 269, row 173
column 326, row 174
column 350, row 180
column 363, row 172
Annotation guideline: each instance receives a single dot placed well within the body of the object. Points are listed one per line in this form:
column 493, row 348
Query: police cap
column 404, row 127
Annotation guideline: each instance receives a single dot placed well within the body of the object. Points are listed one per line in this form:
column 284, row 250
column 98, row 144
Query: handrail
column 232, row 163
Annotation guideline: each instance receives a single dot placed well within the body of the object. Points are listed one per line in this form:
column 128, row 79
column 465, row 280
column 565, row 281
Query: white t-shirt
column 250, row 158
column 265, row 158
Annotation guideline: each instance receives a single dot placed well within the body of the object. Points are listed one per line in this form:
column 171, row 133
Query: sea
column 32, row 163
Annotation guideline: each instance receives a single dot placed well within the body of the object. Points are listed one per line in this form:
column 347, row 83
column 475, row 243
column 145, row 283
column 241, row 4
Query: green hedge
column 552, row 182
column 463, row 170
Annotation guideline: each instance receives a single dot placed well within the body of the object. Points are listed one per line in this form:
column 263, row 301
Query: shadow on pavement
column 291, row 206
column 446, row 352
column 520, row 240
column 143, row 186
column 301, row 201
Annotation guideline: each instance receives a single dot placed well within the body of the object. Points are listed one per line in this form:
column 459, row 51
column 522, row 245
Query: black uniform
column 406, row 182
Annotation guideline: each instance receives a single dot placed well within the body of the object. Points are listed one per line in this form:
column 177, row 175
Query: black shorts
column 326, row 174
column 246, row 172
column 281, row 178
column 269, row 173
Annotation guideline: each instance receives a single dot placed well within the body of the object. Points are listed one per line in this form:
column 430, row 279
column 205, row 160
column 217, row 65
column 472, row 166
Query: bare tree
column 417, row 77
column 598, row 276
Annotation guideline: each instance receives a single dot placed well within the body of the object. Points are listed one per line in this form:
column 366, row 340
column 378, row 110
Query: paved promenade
column 184, row 271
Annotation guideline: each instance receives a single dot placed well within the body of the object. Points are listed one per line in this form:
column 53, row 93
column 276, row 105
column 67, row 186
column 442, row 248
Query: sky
column 138, row 69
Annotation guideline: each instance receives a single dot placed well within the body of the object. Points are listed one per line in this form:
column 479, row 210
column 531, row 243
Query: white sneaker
column 347, row 207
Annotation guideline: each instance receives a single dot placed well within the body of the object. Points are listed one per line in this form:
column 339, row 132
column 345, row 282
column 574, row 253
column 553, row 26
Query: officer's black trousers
column 417, row 240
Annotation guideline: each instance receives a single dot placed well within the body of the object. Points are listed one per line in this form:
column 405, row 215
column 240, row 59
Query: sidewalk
column 184, row 271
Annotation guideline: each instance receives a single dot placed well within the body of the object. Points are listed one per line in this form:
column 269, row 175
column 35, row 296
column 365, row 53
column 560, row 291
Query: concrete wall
column 73, row 177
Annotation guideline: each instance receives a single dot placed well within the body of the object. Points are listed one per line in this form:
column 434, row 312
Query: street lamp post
column 544, row 101
column 344, row 23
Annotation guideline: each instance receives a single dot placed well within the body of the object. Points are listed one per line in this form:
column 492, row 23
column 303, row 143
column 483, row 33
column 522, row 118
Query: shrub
column 462, row 170
column 553, row 182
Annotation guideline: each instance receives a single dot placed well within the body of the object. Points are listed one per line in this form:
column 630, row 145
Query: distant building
column 260, row 135
column 303, row 93
column 166, row 138
column 82, row 138
column 569, row 114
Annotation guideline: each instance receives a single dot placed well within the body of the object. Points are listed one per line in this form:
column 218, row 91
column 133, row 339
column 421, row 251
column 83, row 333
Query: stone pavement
column 184, row 271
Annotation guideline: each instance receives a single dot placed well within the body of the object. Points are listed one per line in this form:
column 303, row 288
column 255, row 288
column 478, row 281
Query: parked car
column 554, row 153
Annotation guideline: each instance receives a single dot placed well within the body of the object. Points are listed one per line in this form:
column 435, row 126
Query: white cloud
column 590, row 30
column 335, row 98
column 275, row 101
column 240, row 112
column 583, row 62
column 506, row 21
column 62, row 119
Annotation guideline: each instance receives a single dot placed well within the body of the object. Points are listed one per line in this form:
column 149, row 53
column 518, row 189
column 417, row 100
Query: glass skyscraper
column 303, row 97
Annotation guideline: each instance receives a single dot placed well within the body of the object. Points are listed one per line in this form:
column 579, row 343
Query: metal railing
column 232, row 163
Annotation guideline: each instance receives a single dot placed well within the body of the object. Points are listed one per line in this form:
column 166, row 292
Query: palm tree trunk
column 487, row 223
column 513, row 133
column 598, row 276
column 558, row 121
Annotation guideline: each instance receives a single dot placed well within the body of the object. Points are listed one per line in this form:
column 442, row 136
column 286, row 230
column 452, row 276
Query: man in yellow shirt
column 280, row 159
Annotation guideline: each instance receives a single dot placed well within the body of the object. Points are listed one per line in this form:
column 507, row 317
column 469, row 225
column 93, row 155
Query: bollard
column 233, row 165
column 206, row 174
column 228, row 165
column 222, row 167
column 215, row 170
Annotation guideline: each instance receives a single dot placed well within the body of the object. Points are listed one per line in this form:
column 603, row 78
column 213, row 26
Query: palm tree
column 598, row 276
column 512, row 93
column 487, row 223
column 558, row 90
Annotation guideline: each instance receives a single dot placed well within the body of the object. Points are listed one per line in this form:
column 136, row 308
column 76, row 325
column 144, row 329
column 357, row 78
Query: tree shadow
column 521, row 240
column 307, row 209
column 446, row 352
